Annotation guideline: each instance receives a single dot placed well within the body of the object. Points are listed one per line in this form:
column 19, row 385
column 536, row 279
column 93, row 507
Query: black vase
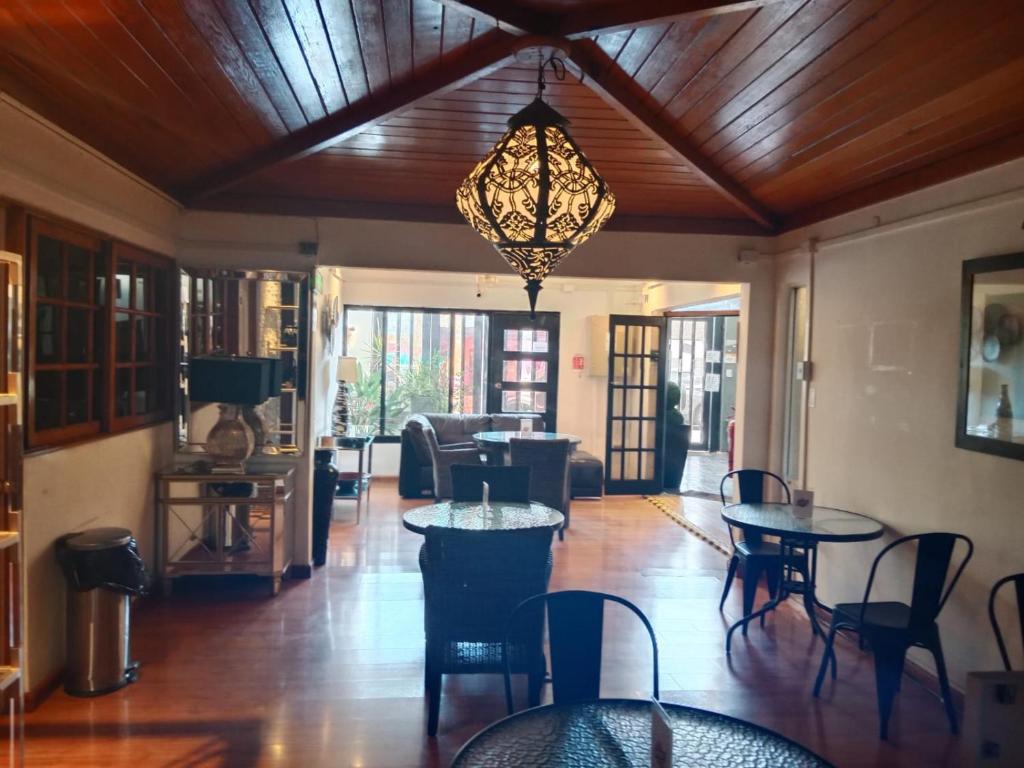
column 325, row 480
column 677, row 444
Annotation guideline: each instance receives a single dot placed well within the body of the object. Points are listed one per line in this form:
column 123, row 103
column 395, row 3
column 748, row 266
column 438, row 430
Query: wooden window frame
column 160, row 335
column 102, row 336
column 65, row 433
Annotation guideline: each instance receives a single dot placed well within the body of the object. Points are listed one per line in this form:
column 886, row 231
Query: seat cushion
column 882, row 615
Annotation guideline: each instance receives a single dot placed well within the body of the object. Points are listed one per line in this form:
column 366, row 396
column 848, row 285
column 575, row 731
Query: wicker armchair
column 472, row 581
column 549, row 472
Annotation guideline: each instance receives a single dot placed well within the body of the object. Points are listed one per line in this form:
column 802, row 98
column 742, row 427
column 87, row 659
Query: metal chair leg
column 733, row 563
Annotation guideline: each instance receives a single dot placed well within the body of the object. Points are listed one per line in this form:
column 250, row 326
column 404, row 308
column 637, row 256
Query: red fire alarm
column 577, row 362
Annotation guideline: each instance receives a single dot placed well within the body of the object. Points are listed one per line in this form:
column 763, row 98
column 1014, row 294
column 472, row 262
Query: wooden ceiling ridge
column 587, row 21
column 609, row 80
column 518, row 27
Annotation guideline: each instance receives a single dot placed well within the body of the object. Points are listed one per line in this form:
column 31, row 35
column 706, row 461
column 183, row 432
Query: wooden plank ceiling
column 702, row 116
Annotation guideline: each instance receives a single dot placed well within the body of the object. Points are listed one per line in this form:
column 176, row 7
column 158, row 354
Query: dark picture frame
column 990, row 403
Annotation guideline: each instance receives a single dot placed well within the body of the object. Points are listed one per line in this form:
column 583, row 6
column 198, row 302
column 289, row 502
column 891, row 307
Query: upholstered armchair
column 443, row 458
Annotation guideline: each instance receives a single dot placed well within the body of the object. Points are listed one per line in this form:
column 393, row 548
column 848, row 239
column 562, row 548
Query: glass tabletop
column 504, row 437
column 471, row 516
column 821, row 524
column 618, row 732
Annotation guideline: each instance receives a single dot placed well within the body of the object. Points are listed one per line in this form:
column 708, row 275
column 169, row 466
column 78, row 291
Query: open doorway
column 703, row 360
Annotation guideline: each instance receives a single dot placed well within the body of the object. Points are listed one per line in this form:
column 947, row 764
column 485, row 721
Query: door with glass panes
column 523, row 365
column 636, row 404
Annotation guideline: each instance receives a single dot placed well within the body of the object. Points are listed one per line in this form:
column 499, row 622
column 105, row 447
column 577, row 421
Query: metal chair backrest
column 750, row 483
column 505, row 483
column 575, row 629
column 1018, row 583
column 930, row 591
column 549, row 462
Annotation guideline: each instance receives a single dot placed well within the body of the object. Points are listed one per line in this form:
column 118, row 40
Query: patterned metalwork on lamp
column 535, row 196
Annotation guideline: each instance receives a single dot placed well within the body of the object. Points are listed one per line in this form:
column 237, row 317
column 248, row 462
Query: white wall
column 881, row 432
column 240, row 239
column 107, row 481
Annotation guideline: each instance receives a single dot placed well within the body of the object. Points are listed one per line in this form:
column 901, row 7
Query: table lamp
column 233, row 383
column 348, row 370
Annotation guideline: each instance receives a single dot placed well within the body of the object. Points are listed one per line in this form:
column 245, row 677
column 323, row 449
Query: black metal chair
column 1018, row 582
column 753, row 556
column 505, row 483
column 892, row 628
column 575, row 621
column 472, row 582
column 549, row 476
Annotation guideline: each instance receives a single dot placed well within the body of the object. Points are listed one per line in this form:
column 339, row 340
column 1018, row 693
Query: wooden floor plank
column 330, row 672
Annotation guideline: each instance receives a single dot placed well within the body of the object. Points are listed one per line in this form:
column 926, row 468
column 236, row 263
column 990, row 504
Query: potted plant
column 677, row 439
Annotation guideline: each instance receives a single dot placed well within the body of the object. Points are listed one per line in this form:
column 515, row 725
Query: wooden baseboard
column 37, row 694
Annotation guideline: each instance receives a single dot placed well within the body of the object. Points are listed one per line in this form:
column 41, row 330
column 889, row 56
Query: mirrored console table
column 211, row 523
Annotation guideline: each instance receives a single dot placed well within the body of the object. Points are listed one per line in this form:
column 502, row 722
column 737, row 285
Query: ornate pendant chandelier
column 536, row 196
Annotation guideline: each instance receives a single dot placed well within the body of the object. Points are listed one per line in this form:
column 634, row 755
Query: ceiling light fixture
column 535, row 196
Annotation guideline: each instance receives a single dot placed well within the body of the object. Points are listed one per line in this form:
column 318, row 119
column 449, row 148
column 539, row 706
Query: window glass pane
column 526, row 340
column 48, row 281
column 123, row 285
column 143, row 282
column 510, row 370
column 145, row 392
column 540, row 341
column 364, row 341
column 633, row 339
column 79, row 264
column 511, row 340
column 509, row 402
column 143, row 339
column 78, row 397
column 47, row 338
column 79, row 324
column 47, row 403
column 99, row 266
column 123, row 337
column 540, row 371
column 122, row 392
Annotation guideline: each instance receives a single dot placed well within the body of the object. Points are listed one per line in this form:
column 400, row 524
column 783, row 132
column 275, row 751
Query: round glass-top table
column 471, row 516
column 617, row 732
column 821, row 524
column 797, row 528
column 501, row 439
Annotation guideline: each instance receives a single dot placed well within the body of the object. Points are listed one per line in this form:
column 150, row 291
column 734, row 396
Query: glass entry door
column 703, row 361
column 636, row 394
column 523, row 365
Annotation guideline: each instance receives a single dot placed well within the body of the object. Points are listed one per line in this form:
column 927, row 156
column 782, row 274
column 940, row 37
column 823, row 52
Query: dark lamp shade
column 233, row 380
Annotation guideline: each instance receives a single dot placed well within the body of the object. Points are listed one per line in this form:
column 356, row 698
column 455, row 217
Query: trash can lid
column 100, row 538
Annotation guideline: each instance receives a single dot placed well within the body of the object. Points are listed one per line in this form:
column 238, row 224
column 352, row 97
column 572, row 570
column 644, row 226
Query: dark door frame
column 498, row 322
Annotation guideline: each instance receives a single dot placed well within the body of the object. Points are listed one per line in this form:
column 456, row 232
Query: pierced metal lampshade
column 535, row 196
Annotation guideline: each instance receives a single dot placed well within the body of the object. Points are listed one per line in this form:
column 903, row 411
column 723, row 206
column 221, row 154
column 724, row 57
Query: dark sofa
column 454, row 432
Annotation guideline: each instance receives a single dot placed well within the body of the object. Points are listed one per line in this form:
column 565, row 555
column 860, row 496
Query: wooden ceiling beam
column 493, row 51
column 506, row 15
column 609, row 80
column 629, row 14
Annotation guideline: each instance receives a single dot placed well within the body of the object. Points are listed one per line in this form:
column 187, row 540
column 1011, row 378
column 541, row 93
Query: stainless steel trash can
column 98, row 618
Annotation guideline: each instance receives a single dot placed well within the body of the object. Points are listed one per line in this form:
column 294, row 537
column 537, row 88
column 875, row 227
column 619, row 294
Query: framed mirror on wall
column 257, row 314
column 990, row 409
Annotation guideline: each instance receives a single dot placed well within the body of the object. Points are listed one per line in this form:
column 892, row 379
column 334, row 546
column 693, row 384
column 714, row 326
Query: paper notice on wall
column 730, row 358
column 713, row 356
column 712, row 382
